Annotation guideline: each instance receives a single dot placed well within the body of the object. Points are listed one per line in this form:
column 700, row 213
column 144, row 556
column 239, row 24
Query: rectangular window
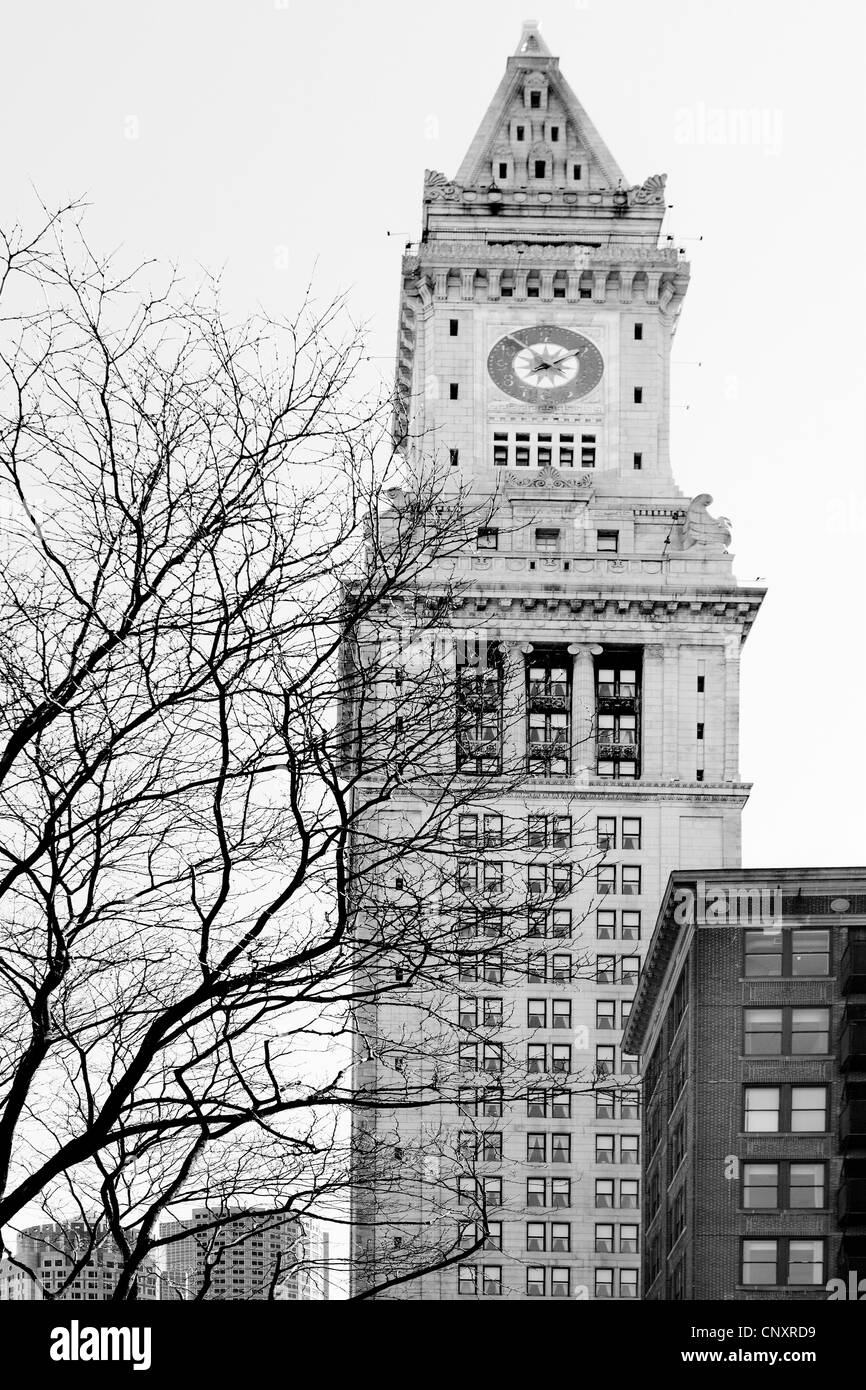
column 492, row 968
column 560, row 969
column 762, row 1032
column 536, row 966
column 605, row 832
column 631, row 879
column 468, row 1013
column 560, row 1193
column 561, row 1057
column 536, row 1148
column 493, row 1058
column 521, row 132
column 491, row 1103
column 453, row 390
column 491, row 1280
column 807, row 1186
column 607, row 542
column 503, row 171
column 535, row 1281
column 605, row 879
column 805, row 1262
column 605, row 970
column 536, row 1013
column 629, row 969
column 560, row 1105
column 454, row 457
column 762, row 1109
column 605, row 925
column 537, row 832
column 810, row 1031
column 629, row 1194
column 604, row 1283
column 467, row 1279
column 638, row 395
column 587, row 451
column 808, row 1109
column 500, row 450
column 628, row 1283
column 630, row 1105
column 540, row 166
column 561, row 832
column 604, row 1192
column 561, row 1013
column 604, row 1239
column 638, row 332
column 810, row 953
column 604, row 1148
column 560, row 1148
column 605, row 1013
column 487, row 538
column 492, row 1013
column 453, row 327
column 605, row 1059
column 560, row 1283
column 545, row 456
column 576, row 171
column 560, row 1237
column 536, row 1237
column 628, row 1148
column 760, row 1186
column 536, row 1192
column 554, row 134
column 637, row 462
column 566, row 451
column 547, row 538
column 536, row 1058
column 536, row 1105
column 630, row 926
column 631, row 832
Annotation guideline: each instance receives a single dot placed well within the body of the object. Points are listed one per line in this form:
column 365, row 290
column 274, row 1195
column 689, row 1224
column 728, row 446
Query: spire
column 531, row 40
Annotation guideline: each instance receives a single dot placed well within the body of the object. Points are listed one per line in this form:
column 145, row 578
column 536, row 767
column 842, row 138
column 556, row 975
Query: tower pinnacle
column 531, row 40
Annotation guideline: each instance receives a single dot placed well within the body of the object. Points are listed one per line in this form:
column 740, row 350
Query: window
column 605, row 970
column 805, row 1262
column 630, row 926
column 638, row 332
column 795, row 952
column 762, row 1109
column 521, row 454
column 631, row 879
column 628, row 1148
column 468, row 1013
column 561, row 832
column 605, row 1059
column 536, row 1104
column 536, row 1013
column 493, row 1057
column 631, row 832
column 605, row 925
column 467, row 1057
column 560, row 1148
column 629, row 967
column 604, row 1192
column 808, row 1109
column 638, row 395
column 536, row 1192
column 561, row 969
column 628, row 1240
column 554, row 134
column 536, row 832
column 547, row 538
column 491, row 1280
column 630, row 1105
column 467, row 1279
column 544, row 449
column 535, row 100
column 566, row 451
column 760, row 1186
column 604, row 1283
column 762, row 1031
column 605, row 1105
column 540, row 167
column 535, row 1281
column 605, row 1013
column 500, row 450
column 605, row 879
column 562, row 921
column 467, row 967
column 637, row 462
column 604, row 1148
column 628, row 1283
column 700, row 732
column 807, row 1186
column 560, row 1105
column 605, row 832
column 492, row 1189
column 560, row 1193
column 453, row 390
column 491, row 1147
column 560, row 1237
column 792, row 1261
column 536, row 1058
column 521, row 132
column 453, row 327
column 576, row 171
column 561, row 1057
column 536, row 967
column 536, row 880
column 560, row 1283
column 604, row 1239
column 487, row 538
column 629, row 1189
column 560, row 1013
column 454, row 457
column 607, row 542
column 536, row 1237
column 492, row 969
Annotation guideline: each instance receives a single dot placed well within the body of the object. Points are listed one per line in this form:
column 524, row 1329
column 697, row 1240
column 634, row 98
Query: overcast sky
column 277, row 139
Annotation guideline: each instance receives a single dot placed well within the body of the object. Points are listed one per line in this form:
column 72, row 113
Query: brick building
column 750, row 1017
column 537, row 314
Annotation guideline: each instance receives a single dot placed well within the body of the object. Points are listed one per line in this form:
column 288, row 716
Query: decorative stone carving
column 652, row 190
column 548, row 479
column 439, row 188
column 699, row 530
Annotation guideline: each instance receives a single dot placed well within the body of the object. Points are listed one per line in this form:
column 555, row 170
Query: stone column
column 731, row 772
column 582, row 712
column 514, row 707
column 652, row 712
column 670, row 727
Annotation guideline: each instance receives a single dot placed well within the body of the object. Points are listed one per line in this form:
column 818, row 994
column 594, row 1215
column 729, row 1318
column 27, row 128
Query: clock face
column 545, row 365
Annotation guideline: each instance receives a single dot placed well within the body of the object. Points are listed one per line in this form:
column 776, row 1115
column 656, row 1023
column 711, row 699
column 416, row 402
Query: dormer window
column 540, row 167
column 535, row 101
column 520, row 132
column 577, row 172
column 554, row 134
column 503, row 171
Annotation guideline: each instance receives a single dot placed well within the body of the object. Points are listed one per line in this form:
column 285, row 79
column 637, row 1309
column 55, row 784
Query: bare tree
column 206, row 879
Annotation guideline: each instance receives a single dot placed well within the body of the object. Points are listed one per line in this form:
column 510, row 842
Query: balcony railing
column 617, row 690
column 852, row 968
column 852, row 1044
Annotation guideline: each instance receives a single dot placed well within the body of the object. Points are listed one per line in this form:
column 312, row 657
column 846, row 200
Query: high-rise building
column 68, row 1262
column 751, row 1019
column 249, row 1257
column 598, row 605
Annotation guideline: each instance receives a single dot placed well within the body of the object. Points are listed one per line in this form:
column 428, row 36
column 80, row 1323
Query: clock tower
column 537, row 314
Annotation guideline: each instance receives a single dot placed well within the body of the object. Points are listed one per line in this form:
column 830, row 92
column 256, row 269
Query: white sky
column 220, row 132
